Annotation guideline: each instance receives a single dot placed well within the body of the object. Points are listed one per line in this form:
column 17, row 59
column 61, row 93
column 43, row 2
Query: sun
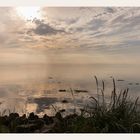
column 29, row 13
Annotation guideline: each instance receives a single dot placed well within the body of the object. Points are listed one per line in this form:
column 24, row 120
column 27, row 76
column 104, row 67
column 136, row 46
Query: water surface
column 35, row 88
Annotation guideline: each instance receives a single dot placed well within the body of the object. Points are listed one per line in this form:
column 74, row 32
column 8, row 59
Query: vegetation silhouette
column 119, row 114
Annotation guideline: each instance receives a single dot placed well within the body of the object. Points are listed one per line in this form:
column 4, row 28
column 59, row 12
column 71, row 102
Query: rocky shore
column 120, row 115
column 31, row 124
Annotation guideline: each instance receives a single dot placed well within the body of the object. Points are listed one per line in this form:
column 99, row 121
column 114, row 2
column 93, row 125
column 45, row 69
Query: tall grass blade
column 97, row 85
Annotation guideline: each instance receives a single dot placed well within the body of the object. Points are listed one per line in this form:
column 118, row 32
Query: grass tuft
column 118, row 115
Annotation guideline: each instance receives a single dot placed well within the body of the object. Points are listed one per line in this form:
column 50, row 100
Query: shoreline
column 120, row 115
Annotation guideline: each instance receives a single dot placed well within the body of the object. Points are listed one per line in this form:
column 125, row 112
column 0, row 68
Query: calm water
column 27, row 88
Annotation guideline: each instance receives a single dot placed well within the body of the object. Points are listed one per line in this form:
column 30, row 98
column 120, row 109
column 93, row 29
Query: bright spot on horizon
column 29, row 13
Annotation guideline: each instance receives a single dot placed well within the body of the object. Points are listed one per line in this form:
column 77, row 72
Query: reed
column 121, row 114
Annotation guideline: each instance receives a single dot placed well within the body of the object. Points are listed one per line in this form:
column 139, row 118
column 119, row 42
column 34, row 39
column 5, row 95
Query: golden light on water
column 29, row 13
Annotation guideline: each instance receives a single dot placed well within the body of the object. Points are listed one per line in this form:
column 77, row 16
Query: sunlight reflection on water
column 36, row 88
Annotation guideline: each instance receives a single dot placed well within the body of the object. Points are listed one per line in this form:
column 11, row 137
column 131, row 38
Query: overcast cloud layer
column 71, row 35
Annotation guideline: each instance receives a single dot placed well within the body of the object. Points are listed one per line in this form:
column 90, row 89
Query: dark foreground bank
column 118, row 115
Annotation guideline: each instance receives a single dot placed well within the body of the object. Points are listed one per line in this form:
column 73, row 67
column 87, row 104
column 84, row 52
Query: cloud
column 90, row 31
column 95, row 24
column 45, row 29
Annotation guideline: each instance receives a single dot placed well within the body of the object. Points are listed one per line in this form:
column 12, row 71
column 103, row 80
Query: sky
column 79, row 35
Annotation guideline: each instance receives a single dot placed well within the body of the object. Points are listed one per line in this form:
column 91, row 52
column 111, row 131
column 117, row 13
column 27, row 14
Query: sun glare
column 29, row 13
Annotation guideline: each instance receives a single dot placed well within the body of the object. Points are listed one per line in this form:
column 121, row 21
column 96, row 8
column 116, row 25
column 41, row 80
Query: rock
column 36, row 117
column 56, row 121
column 64, row 101
column 37, row 131
column 62, row 90
column 4, row 120
column 47, row 119
column 58, row 116
column 47, row 128
column 78, row 90
column 13, row 116
column 21, row 120
column 136, row 128
column 50, row 77
column 23, row 116
column 31, row 116
column 120, row 80
column 62, row 110
column 24, row 121
column 58, row 126
column 130, row 83
column 4, row 129
column 40, row 123
column 26, row 128
column 71, row 116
